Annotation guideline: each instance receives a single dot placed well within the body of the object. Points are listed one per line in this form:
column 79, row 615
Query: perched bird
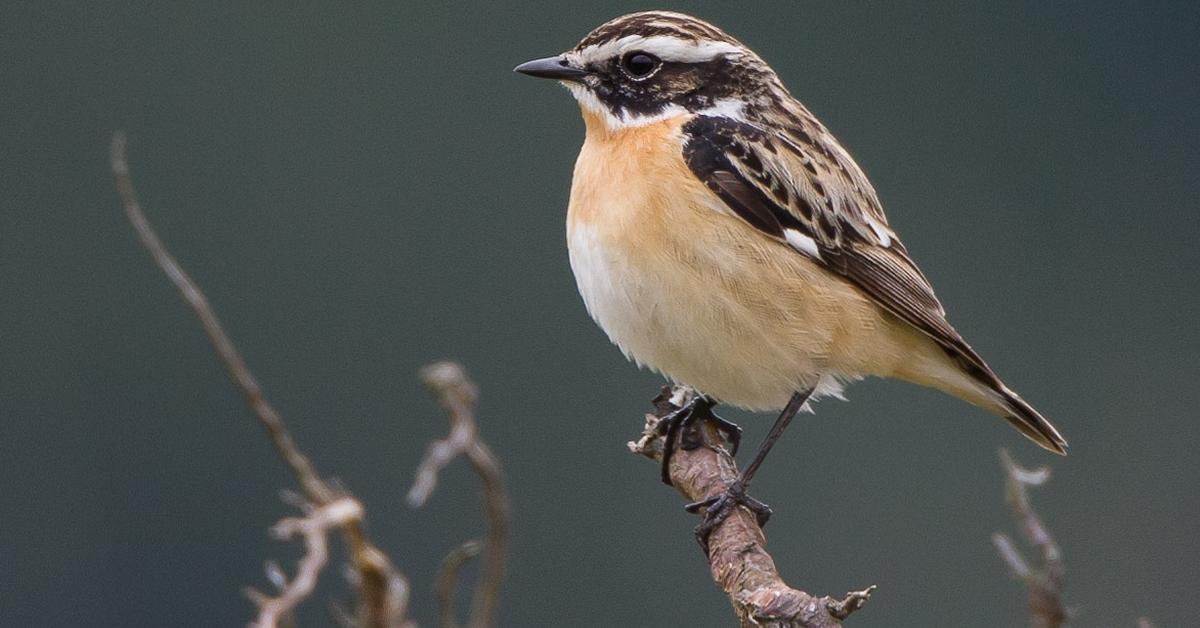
column 720, row 235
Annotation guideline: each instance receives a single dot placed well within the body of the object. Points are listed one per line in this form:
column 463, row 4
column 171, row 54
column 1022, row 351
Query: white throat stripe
column 726, row 107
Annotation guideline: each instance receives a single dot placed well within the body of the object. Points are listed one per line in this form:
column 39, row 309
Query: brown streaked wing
column 739, row 163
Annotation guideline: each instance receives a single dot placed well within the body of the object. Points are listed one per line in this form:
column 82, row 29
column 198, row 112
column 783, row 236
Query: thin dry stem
column 382, row 590
column 447, row 580
column 316, row 490
column 457, row 395
column 1011, row 555
column 1044, row 582
column 737, row 553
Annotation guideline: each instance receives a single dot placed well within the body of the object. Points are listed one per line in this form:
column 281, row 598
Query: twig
column 313, row 528
column 1044, row 583
column 457, row 395
column 447, row 580
column 382, row 590
column 737, row 554
column 231, row 359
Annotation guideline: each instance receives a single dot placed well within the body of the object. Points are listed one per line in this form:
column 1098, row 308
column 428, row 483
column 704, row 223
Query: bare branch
column 737, row 554
column 457, row 395
column 313, row 528
column 382, row 590
column 230, row 357
column 1045, row 582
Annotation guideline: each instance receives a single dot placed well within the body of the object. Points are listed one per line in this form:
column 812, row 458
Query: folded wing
column 797, row 185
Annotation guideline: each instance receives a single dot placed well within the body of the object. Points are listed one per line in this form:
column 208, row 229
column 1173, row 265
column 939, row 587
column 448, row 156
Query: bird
column 721, row 235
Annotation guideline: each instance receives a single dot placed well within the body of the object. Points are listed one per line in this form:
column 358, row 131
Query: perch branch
column 382, row 590
column 457, row 395
column 737, row 554
column 1044, row 583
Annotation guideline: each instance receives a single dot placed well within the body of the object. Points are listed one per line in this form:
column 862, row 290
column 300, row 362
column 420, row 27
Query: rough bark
column 737, row 553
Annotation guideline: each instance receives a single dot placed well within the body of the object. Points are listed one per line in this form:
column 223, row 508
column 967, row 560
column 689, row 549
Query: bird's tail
column 1028, row 421
column 976, row 383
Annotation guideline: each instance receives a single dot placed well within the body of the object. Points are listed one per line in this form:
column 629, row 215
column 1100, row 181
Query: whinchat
column 720, row 235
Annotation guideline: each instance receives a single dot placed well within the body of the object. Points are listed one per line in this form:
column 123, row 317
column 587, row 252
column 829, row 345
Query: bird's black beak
column 552, row 68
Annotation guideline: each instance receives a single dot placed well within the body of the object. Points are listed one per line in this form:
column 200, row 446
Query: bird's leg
column 679, row 429
column 718, row 508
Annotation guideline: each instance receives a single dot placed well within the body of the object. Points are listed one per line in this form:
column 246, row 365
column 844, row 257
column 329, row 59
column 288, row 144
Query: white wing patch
column 802, row 243
column 882, row 232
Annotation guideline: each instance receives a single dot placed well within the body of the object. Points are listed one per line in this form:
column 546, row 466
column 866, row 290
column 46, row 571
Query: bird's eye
column 639, row 65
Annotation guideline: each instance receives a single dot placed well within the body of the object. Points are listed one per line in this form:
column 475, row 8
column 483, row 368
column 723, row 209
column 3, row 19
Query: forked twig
column 457, row 395
column 313, row 528
column 382, row 590
column 1044, row 582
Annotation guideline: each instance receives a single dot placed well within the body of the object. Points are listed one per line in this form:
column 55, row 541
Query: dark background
column 363, row 188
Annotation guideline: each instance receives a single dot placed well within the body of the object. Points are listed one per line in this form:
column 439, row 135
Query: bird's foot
column 680, row 429
column 718, row 508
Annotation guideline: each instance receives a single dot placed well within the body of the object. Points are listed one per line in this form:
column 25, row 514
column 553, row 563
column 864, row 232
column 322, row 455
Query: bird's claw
column 718, row 508
column 679, row 430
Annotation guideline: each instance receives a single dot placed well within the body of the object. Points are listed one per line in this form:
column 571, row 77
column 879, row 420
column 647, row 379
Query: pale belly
column 727, row 322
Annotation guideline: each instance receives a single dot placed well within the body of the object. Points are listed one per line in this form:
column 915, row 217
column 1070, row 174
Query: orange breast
column 624, row 181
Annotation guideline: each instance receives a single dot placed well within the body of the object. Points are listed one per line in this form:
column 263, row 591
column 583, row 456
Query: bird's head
column 645, row 67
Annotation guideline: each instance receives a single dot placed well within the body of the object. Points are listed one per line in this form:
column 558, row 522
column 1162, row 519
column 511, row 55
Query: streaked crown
column 646, row 66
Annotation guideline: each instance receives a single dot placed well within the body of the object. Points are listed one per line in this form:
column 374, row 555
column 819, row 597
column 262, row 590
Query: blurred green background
column 363, row 188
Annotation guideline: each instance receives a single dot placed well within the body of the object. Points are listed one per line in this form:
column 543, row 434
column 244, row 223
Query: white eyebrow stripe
column 664, row 47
